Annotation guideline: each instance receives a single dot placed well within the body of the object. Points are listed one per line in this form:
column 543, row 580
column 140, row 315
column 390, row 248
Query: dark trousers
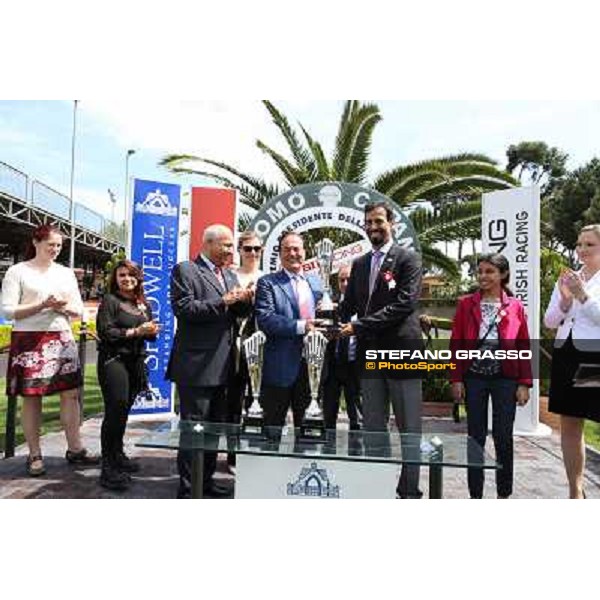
column 276, row 401
column 198, row 404
column 341, row 376
column 119, row 382
column 504, row 407
column 406, row 398
column 238, row 396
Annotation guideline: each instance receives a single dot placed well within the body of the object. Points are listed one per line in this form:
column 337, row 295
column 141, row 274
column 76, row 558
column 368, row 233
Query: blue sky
column 35, row 136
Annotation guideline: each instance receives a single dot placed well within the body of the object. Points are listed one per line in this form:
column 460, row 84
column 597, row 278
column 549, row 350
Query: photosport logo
column 313, row 482
column 156, row 203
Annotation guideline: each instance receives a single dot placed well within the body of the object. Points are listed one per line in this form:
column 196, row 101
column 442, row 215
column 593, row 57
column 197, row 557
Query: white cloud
column 220, row 130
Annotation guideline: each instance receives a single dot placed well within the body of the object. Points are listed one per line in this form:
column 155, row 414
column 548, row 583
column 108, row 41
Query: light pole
column 127, row 202
column 113, row 202
column 72, row 208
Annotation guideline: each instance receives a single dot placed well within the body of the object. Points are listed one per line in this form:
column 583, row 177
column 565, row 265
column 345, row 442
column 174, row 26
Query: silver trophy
column 313, row 427
column 326, row 312
column 253, row 423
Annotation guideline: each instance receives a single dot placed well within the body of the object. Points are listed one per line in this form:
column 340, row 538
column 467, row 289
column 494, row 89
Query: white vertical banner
column 511, row 226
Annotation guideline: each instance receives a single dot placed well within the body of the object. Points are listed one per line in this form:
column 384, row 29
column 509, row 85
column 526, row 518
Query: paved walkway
column 538, row 469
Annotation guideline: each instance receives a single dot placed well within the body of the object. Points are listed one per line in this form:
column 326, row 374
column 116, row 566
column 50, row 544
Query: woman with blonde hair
column 574, row 310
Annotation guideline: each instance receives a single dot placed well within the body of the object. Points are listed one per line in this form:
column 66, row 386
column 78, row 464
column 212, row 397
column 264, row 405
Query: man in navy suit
column 383, row 291
column 285, row 311
column 206, row 298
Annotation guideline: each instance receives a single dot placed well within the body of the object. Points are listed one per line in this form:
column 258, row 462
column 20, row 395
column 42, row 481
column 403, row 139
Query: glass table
column 435, row 451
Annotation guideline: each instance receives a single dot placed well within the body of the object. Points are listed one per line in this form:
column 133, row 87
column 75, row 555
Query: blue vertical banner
column 154, row 240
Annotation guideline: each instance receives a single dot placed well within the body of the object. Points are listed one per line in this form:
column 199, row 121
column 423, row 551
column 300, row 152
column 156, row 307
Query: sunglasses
column 251, row 248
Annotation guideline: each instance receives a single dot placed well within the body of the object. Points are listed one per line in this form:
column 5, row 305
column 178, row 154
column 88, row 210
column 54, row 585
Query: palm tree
column 415, row 185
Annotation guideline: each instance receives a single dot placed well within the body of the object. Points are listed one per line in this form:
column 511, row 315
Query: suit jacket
column 388, row 318
column 277, row 313
column 205, row 325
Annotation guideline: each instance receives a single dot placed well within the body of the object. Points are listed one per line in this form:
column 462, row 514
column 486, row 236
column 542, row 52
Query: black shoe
column 126, row 464
column 113, row 479
column 82, row 457
column 217, row 491
column 414, row 496
column 183, row 494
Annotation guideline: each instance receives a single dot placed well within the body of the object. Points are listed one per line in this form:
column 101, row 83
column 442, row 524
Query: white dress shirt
column 23, row 284
column 581, row 320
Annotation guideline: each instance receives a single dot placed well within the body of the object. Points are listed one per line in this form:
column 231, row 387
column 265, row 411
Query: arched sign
column 328, row 204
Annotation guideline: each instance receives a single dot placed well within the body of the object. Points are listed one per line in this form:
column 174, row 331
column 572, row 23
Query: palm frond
column 250, row 195
column 343, row 138
column 304, row 161
column 292, row 174
column 434, row 258
column 321, row 172
column 390, row 180
column 177, row 161
column 367, row 118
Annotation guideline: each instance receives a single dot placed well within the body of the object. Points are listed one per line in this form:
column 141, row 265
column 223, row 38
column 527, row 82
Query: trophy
column 312, row 427
column 326, row 312
column 252, row 423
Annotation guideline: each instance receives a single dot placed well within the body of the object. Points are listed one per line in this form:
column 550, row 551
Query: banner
column 511, row 226
column 311, row 477
column 344, row 255
column 210, row 206
column 154, row 236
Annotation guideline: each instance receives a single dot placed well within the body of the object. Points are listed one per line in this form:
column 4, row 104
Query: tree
column 574, row 203
column 429, row 180
column 543, row 165
column 110, row 265
column 116, row 231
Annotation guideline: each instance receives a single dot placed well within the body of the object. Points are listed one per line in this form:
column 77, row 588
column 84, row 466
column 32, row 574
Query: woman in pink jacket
column 491, row 319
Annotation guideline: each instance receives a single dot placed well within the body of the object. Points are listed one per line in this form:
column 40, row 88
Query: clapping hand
column 571, row 286
column 54, row 302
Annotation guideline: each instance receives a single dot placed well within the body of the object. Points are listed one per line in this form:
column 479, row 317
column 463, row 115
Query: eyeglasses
column 251, row 248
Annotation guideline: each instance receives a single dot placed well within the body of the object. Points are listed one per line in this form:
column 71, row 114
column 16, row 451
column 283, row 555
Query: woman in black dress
column 574, row 310
column 124, row 323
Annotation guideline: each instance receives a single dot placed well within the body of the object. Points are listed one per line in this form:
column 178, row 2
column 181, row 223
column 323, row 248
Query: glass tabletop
column 449, row 449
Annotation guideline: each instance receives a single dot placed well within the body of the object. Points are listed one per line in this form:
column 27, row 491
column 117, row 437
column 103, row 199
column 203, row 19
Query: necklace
column 587, row 275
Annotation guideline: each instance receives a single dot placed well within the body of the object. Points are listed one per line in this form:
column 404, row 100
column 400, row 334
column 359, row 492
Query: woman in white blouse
column 574, row 310
column 41, row 296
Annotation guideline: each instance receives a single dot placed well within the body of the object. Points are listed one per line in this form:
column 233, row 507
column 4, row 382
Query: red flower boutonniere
column 388, row 277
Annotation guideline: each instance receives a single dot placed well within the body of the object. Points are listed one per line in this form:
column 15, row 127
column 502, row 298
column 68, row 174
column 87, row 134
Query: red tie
column 302, row 290
column 219, row 274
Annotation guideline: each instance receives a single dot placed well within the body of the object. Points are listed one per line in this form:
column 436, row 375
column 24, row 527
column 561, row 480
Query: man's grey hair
column 214, row 232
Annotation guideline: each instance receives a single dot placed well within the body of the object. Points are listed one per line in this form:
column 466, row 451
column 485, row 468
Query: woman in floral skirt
column 41, row 297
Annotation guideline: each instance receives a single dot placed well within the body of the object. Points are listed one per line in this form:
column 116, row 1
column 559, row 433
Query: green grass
column 92, row 405
column 592, row 434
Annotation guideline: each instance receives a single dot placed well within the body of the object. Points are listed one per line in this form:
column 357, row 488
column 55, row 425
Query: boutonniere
column 389, row 279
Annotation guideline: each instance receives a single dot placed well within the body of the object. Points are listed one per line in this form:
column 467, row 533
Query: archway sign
column 328, row 204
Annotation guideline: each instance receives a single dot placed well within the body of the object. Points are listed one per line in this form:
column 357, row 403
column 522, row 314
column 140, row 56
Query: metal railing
column 17, row 184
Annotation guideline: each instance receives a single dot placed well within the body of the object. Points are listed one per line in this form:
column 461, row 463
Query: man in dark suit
column 285, row 311
column 340, row 372
column 206, row 299
column 383, row 291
